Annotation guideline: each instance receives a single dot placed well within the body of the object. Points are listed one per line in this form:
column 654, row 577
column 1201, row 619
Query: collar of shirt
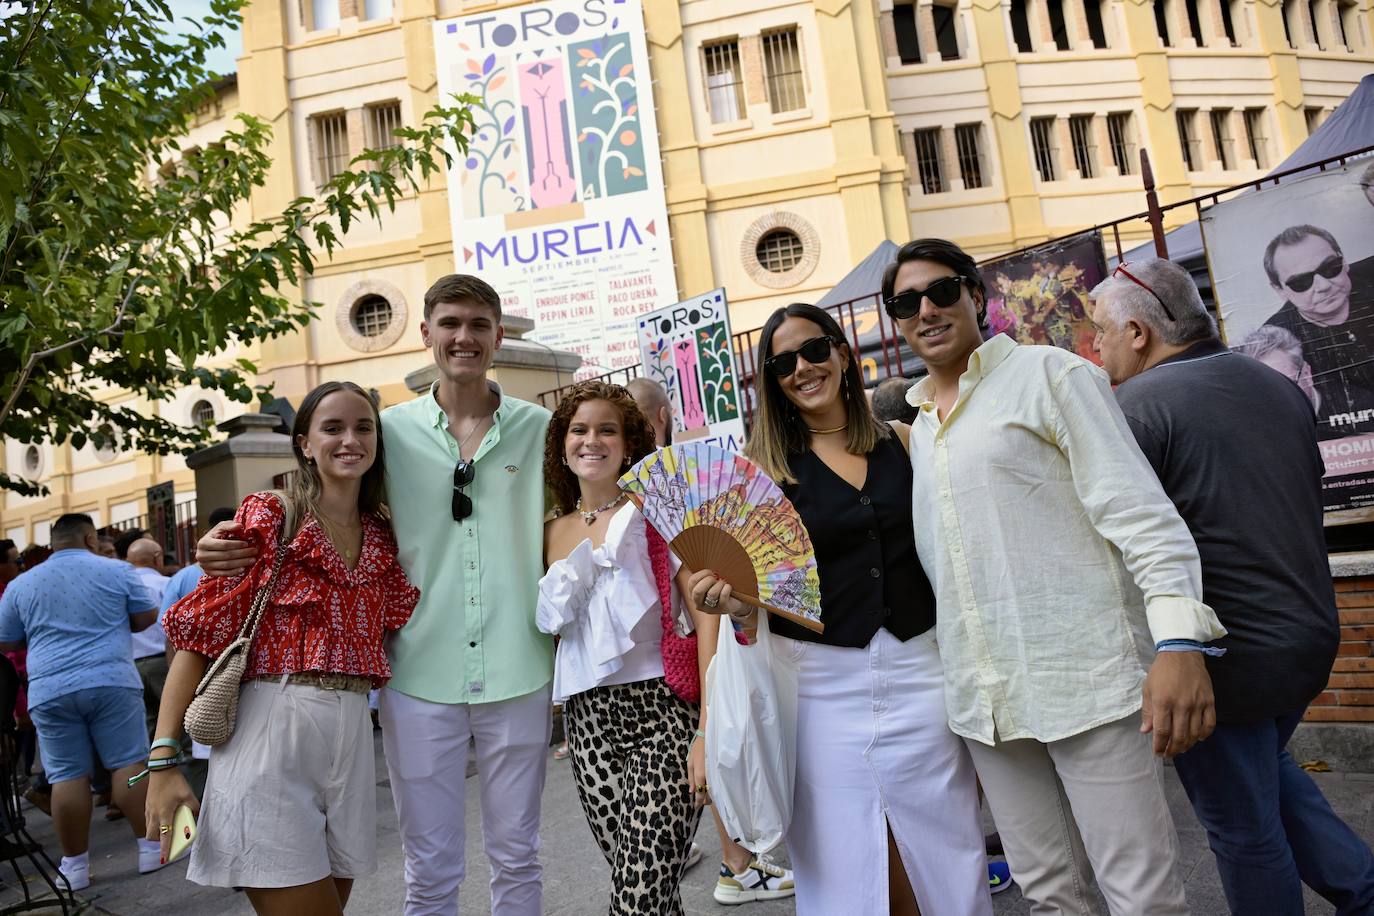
column 981, row 362
column 1209, row 346
column 439, row 419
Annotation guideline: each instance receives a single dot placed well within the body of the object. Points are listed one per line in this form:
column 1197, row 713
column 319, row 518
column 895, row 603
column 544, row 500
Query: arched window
column 203, row 414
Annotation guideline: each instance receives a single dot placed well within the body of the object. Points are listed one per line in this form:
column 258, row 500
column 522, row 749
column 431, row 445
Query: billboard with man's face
column 1293, row 273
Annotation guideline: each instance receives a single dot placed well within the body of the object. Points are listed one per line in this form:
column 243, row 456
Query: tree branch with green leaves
column 128, row 268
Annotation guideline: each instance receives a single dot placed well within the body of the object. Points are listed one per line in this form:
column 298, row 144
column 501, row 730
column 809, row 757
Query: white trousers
column 1092, row 803
column 874, row 752
column 427, row 756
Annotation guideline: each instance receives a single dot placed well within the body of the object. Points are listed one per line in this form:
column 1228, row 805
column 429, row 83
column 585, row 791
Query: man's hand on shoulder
column 223, row 552
column 1178, row 705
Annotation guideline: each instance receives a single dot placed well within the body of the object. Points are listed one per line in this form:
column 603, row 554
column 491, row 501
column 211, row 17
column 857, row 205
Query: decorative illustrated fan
column 718, row 511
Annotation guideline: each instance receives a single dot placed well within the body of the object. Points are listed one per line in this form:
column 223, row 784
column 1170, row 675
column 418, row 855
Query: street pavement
column 576, row 878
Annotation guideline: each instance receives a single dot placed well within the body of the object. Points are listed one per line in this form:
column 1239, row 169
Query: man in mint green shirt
column 465, row 484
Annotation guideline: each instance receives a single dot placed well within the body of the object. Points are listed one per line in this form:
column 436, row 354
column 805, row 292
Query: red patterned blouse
column 321, row 616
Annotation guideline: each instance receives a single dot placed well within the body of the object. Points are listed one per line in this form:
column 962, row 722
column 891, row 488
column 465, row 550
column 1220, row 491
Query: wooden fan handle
column 807, row 622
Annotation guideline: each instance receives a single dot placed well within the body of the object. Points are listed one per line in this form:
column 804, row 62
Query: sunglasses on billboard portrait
column 942, row 294
column 1329, row 269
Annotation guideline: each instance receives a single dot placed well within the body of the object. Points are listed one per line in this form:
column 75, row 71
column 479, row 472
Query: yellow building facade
column 795, row 136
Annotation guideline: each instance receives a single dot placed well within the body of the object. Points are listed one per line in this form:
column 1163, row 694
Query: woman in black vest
column 880, row 778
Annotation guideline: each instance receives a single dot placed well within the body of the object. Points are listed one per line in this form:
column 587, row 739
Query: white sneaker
column 762, row 880
column 149, row 856
column 693, row 857
column 77, row 871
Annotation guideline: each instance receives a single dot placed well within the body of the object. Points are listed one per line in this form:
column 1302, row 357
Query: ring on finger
column 164, row 829
column 711, row 601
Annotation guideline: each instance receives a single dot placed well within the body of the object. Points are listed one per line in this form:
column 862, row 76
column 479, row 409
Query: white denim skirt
column 874, row 751
column 292, row 797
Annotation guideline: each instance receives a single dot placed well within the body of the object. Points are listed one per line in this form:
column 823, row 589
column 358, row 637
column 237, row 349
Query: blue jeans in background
column 1269, row 825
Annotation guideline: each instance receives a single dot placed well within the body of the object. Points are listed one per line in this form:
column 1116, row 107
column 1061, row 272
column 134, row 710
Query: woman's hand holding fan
column 724, row 517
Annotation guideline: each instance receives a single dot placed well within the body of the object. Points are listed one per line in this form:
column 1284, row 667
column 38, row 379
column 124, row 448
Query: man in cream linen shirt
column 1059, row 566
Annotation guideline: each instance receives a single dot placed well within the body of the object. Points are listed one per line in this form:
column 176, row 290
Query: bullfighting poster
column 558, row 201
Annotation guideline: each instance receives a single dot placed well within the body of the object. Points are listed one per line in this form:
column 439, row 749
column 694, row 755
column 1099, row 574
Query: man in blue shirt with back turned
column 77, row 613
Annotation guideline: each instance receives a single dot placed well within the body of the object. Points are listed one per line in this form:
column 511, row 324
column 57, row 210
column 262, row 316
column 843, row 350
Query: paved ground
column 576, row 877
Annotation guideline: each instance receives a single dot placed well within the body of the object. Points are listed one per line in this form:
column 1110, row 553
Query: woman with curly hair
column 628, row 678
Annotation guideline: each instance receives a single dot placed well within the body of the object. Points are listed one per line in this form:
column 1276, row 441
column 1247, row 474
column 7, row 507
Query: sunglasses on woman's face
column 942, row 294
column 816, row 351
column 463, row 475
column 1329, row 269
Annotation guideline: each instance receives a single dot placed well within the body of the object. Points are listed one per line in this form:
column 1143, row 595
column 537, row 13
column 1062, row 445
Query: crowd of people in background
column 1035, row 587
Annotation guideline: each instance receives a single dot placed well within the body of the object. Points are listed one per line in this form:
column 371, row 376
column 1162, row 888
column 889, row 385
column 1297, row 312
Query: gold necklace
column 341, row 538
column 826, row 432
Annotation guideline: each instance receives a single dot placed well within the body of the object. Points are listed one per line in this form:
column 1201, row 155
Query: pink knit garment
column 679, row 652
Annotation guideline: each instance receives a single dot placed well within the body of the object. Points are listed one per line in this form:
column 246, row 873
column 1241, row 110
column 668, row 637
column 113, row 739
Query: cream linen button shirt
column 1057, row 559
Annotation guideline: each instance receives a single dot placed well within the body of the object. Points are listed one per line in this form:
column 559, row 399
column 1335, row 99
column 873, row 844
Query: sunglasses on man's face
column 463, row 475
column 816, row 351
column 1330, row 269
column 942, row 294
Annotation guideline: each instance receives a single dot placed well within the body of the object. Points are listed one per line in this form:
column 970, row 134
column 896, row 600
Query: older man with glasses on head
column 1234, row 444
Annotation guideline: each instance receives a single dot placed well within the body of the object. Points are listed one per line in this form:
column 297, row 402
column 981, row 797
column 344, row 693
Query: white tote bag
column 751, row 736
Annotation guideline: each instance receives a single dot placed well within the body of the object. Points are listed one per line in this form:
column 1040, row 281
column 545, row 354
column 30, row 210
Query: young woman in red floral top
column 290, row 802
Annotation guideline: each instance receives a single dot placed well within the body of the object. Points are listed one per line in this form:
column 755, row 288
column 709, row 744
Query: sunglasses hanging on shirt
column 907, row 304
column 463, row 475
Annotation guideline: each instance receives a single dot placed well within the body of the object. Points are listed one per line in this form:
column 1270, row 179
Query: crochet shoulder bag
column 679, row 652
column 211, row 715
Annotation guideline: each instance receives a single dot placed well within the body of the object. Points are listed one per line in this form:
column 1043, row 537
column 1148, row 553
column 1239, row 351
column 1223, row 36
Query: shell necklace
column 590, row 516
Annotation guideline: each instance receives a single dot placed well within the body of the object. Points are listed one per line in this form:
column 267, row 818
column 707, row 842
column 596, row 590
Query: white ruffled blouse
column 602, row 603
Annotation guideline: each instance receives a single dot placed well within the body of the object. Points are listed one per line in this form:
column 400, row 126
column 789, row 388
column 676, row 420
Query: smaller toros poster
column 687, row 349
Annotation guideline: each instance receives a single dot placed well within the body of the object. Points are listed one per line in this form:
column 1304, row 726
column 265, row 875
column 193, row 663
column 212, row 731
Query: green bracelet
column 699, row 735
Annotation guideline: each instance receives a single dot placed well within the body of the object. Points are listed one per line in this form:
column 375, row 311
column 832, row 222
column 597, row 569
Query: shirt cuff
column 1175, row 617
column 1189, row 645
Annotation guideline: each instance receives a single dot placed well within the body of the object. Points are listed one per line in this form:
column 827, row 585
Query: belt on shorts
column 351, row 683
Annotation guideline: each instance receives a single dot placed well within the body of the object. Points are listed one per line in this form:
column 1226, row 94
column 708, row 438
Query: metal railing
column 873, row 335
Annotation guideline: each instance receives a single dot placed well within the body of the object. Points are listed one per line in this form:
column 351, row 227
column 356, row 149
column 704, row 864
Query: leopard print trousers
column 629, row 745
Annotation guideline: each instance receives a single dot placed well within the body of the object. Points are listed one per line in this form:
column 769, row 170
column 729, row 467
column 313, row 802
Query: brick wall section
column 1349, row 695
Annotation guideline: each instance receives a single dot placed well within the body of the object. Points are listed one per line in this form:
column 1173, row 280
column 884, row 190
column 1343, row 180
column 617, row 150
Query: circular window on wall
column 33, row 461
column 371, row 315
column 105, row 443
column 203, row 414
column 780, row 249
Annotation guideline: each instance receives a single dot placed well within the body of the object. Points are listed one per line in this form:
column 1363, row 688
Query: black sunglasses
column 1329, row 269
column 816, row 350
column 463, row 475
column 907, row 304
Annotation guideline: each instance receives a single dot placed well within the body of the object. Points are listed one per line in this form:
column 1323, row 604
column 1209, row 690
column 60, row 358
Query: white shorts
column 292, row 797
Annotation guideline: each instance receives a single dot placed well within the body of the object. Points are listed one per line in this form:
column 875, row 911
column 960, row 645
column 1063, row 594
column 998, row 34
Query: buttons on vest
column 864, row 501
column 872, row 535
column 875, row 572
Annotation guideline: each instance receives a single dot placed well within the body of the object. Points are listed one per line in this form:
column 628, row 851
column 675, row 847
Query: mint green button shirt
column 472, row 638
